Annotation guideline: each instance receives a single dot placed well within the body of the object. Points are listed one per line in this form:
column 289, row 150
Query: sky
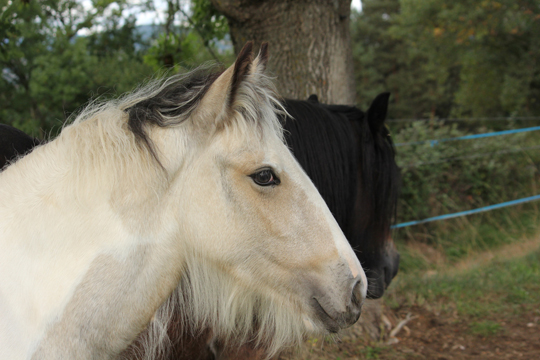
column 150, row 17
column 356, row 4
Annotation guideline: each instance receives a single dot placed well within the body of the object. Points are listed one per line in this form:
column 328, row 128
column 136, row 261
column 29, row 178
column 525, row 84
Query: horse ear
column 376, row 114
column 262, row 59
column 220, row 99
column 241, row 68
column 313, row 99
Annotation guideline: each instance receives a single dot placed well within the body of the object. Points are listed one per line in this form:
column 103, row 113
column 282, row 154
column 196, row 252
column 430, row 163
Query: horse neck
column 68, row 208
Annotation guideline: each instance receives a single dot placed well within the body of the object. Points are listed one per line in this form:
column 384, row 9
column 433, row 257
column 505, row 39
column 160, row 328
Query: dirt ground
column 423, row 332
column 436, row 337
column 431, row 336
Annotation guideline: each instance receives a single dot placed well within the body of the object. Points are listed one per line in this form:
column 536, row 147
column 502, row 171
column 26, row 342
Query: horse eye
column 265, row 178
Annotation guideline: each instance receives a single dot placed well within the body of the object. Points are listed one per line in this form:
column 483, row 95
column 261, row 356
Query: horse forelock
column 166, row 102
column 169, row 102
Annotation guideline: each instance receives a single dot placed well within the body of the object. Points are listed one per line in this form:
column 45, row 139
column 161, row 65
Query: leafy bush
column 447, row 177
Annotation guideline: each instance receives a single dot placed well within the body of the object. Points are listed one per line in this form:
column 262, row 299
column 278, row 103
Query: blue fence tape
column 518, row 118
column 470, row 137
column 468, row 212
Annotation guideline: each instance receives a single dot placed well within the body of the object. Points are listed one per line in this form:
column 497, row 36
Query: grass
column 485, row 328
column 372, row 352
column 460, row 238
column 501, row 287
column 480, row 294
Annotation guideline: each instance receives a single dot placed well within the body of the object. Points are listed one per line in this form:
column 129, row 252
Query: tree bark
column 310, row 46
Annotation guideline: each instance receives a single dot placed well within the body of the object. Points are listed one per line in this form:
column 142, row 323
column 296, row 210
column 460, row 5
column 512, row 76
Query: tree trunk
column 310, row 47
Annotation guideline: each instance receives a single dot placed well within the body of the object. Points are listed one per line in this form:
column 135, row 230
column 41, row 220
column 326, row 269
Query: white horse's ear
column 241, row 68
column 258, row 65
column 220, row 101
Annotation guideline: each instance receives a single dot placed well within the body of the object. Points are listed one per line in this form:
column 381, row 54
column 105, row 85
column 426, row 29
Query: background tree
column 310, row 43
column 48, row 70
column 387, row 59
column 490, row 48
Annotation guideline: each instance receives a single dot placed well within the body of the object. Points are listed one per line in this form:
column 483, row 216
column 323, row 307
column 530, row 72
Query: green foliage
column 493, row 46
column 460, row 175
column 372, row 352
column 192, row 41
column 387, row 60
column 57, row 54
column 210, row 23
column 446, row 58
column 178, row 52
column 49, row 70
column 163, row 52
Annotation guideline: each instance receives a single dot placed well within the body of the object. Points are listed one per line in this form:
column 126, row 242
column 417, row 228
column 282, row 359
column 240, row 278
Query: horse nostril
column 357, row 298
column 355, row 308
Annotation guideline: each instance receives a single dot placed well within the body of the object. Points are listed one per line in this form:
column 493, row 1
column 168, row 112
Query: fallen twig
column 401, row 324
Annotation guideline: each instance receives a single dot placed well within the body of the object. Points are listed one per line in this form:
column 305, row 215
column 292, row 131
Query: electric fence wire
column 468, row 212
column 519, row 118
column 434, row 142
column 470, row 137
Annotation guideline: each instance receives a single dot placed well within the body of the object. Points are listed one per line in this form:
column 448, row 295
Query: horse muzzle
column 337, row 315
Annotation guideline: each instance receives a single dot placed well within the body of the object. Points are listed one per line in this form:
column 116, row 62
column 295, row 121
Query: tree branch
column 200, row 34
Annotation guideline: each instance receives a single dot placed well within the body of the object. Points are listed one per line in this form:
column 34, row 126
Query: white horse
column 186, row 181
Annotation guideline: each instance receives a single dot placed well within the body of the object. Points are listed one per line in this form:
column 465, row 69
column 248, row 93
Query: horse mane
column 235, row 321
column 162, row 103
column 166, row 102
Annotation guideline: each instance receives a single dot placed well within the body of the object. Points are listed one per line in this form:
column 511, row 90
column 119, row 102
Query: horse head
column 181, row 197
column 266, row 258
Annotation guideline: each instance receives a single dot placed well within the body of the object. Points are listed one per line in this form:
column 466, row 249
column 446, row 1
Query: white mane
column 208, row 297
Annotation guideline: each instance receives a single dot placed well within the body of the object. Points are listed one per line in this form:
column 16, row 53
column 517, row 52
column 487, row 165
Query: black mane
column 171, row 100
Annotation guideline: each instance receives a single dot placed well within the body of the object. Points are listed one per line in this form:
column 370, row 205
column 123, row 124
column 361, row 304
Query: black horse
column 349, row 156
column 14, row 143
